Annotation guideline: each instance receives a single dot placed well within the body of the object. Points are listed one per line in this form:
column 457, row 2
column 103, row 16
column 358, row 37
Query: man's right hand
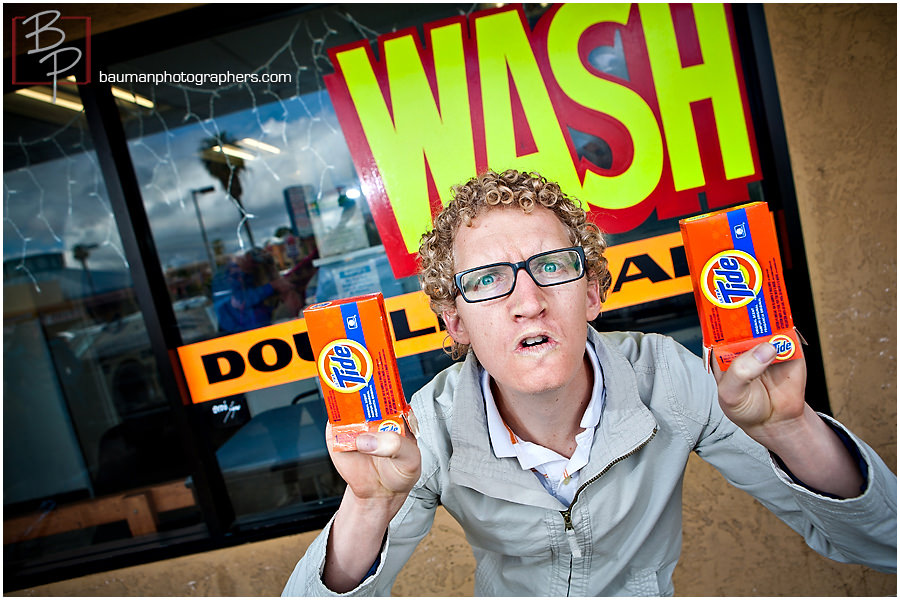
column 386, row 465
column 379, row 476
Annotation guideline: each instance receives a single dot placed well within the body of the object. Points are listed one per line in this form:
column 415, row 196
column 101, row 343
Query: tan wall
column 836, row 69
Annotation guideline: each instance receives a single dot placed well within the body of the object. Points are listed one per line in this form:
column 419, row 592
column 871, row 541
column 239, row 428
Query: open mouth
column 537, row 340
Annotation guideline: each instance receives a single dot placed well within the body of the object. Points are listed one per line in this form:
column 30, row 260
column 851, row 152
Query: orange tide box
column 351, row 340
column 738, row 283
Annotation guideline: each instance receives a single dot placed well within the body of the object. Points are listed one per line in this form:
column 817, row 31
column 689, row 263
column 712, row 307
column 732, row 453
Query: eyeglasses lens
column 495, row 281
column 555, row 268
column 488, row 282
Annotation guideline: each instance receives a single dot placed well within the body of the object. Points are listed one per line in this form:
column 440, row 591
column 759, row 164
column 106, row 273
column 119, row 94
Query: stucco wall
column 836, row 69
column 837, row 77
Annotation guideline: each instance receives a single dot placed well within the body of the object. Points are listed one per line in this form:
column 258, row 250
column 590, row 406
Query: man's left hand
column 768, row 402
column 759, row 396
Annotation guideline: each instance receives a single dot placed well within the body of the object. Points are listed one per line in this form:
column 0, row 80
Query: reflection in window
column 244, row 204
column 84, row 418
column 232, row 169
column 256, row 212
column 269, row 195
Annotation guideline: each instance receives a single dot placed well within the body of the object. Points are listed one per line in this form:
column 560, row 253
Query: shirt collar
column 502, row 437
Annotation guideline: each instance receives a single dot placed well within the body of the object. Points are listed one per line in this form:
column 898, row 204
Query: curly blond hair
column 488, row 190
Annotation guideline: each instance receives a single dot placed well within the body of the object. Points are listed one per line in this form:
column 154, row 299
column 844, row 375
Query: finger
column 386, row 444
column 734, row 382
column 402, row 451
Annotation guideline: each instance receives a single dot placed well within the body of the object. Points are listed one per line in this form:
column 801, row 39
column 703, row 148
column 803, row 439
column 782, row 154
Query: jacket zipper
column 567, row 514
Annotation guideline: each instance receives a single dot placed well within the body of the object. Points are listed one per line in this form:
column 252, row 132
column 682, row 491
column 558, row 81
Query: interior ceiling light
column 39, row 94
column 124, row 95
column 232, row 151
column 133, row 98
column 259, row 145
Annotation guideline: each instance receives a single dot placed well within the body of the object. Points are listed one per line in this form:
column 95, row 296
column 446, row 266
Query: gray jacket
column 622, row 533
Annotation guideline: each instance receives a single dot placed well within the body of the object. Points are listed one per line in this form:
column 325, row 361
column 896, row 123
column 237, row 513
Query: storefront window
column 91, row 455
column 256, row 212
column 253, row 168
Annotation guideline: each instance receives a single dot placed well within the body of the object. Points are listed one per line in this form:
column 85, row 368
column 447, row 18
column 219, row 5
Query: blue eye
column 550, row 267
column 484, row 281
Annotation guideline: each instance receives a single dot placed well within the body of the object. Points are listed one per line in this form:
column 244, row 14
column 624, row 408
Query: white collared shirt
column 558, row 474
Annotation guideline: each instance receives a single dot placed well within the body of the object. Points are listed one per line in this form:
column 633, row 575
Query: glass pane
column 85, row 422
column 256, row 212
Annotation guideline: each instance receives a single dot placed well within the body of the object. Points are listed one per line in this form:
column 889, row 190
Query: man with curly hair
column 561, row 450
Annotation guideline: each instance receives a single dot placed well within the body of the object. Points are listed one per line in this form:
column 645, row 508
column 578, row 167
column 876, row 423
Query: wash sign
column 422, row 113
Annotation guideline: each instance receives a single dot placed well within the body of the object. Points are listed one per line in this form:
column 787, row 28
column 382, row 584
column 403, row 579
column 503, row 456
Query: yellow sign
column 646, row 270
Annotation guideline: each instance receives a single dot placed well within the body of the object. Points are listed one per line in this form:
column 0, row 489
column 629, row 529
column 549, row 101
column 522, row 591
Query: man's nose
column 528, row 298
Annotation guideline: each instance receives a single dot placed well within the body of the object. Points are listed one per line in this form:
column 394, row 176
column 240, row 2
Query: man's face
column 531, row 341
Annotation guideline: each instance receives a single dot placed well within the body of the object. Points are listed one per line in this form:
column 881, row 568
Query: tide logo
column 784, row 347
column 345, row 366
column 731, row 279
column 388, row 425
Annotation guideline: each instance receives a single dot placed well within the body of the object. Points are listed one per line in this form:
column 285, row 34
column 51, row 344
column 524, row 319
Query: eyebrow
column 512, row 262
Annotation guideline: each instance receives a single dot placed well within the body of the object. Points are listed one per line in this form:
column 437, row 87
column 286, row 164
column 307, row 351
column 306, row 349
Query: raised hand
column 759, row 396
column 386, row 465
column 768, row 402
column 379, row 476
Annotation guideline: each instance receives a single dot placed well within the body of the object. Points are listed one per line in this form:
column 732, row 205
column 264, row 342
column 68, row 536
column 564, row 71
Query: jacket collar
column 626, row 424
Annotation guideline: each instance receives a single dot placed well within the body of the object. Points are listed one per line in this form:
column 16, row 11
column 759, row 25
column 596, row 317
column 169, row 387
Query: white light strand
column 25, row 239
column 41, row 192
column 29, row 170
column 160, row 158
column 69, row 181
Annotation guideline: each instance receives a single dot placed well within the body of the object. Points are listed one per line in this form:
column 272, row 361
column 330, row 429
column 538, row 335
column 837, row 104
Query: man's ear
column 455, row 326
column 594, row 304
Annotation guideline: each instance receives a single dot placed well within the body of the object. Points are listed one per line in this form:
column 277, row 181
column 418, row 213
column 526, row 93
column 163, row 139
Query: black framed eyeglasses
column 499, row 279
